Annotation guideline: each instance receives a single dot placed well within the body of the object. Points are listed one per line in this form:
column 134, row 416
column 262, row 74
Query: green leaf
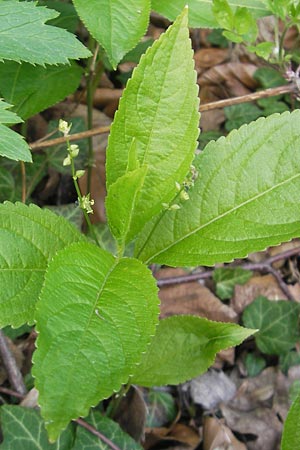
column 289, row 359
column 159, row 112
column 223, row 13
column 226, row 278
column 238, row 115
column 7, row 185
column 29, row 238
column 25, row 37
column 85, row 440
column 32, row 89
column 24, row 429
column 95, row 316
column 121, row 202
column 291, row 430
column 254, row 364
column 233, row 208
column 12, row 145
column 269, row 77
column 185, row 347
column 161, row 409
column 117, row 25
column 278, row 324
column 200, row 11
column 67, row 18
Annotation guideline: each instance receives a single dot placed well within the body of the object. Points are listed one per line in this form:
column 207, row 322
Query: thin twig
column 72, row 137
column 7, row 391
column 97, row 433
column 285, row 89
column 9, row 362
column 265, row 266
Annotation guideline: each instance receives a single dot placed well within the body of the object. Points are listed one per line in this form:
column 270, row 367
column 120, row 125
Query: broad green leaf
column 254, row 364
column 95, row 317
column 278, row 324
column 29, row 238
column 159, row 112
column 226, row 278
column 7, row 185
column 24, row 429
column 289, row 359
column 291, row 430
column 161, row 408
column 85, row 440
column 237, row 115
column 67, row 18
column 71, row 212
column 233, row 208
column 117, row 25
column 269, row 77
column 32, row 89
column 184, row 347
column 24, row 36
column 200, row 11
column 121, row 202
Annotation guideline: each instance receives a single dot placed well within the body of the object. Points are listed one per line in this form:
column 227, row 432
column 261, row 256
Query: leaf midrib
column 221, row 216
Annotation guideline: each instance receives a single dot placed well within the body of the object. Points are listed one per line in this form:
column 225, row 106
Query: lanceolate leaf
column 159, row 113
column 184, row 347
column 234, row 207
column 32, row 89
column 29, row 237
column 201, row 14
column 291, row 430
column 25, row 37
column 12, row 145
column 24, row 429
column 117, row 25
column 95, row 317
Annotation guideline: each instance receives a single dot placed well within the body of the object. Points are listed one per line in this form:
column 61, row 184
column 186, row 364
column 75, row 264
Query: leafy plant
column 97, row 314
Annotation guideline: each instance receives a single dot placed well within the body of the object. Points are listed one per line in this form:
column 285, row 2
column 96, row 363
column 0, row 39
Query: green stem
column 116, row 400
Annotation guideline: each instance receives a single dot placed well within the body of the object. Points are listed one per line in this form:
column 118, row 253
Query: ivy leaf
column 185, row 347
column 32, row 89
column 117, row 25
column 291, row 430
column 159, row 113
column 96, row 315
column 29, row 238
column 226, row 278
column 85, row 440
column 233, row 208
column 200, row 11
column 278, row 324
column 12, row 145
column 24, row 429
column 25, row 37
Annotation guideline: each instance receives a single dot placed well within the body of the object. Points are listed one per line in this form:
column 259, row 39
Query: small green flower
column 74, row 150
column 64, row 127
column 86, row 203
column 67, row 161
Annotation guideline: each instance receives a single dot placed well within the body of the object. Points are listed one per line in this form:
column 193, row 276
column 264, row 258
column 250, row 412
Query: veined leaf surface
column 159, row 113
column 246, row 198
column 95, row 317
column 185, row 347
column 29, row 237
column 200, row 11
column 12, row 144
column 291, row 430
column 117, row 25
column 32, row 89
column 25, row 37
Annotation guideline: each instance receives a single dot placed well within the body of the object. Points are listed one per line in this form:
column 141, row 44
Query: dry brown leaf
column 217, row 436
column 211, row 389
column 31, row 399
column 179, row 432
column 192, row 298
column 206, row 58
column 245, row 294
column 273, row 251
column 223, row 356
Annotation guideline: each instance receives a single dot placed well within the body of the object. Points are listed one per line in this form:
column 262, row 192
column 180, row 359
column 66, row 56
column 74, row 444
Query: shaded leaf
column 12, row 145
column 184, row 347
column 70, row 212
column 67, row 18
column 117, row 25
column 226, row 278
column 95, row 315
column 200, row 11
column 162, row 121
column 7, row 185
column 32, row 89
column 161, row 409
column 24, row 429
column 22, row 25
column 237, row 115
column 29, row 238
column 110, row 429
column 229, row 214
column 278, row 324
column 254, row 364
